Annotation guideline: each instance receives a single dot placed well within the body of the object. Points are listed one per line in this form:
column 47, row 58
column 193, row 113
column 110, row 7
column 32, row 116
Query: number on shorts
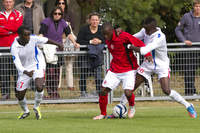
column 21, row 84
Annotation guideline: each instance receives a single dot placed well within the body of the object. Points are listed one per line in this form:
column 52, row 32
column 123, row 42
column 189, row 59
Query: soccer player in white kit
column 155, row 42
column 30, row 65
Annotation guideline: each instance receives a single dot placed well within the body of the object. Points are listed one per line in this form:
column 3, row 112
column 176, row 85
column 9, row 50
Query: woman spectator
column 68, row 59
column 91, row 36
column 53, row 28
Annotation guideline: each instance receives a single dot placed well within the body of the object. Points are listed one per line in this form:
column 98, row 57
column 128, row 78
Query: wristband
column 128, row 46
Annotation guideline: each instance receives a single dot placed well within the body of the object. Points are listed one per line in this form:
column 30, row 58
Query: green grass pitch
column 150, row 117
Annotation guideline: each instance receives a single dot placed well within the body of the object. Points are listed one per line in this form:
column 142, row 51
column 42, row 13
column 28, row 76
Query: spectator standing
column 10, row 21
column 67, row 15
column 68, row 59
column 27, row 61
column 33, row 15
column 20, row 1
column 53, row 28
column 91, row 36
column 188, row 31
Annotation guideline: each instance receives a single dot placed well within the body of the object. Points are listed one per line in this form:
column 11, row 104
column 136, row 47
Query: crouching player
column 29, row 64
column 122, row 69
column 155, row 42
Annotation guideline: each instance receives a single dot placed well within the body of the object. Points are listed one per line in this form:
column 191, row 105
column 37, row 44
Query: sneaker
column 111, row 116
column 23, row 115
column 38, row 114
column 99, row 117
column 191, row 111
column 131, row 112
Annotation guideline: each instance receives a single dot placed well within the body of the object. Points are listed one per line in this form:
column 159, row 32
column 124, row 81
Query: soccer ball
column 120, row 111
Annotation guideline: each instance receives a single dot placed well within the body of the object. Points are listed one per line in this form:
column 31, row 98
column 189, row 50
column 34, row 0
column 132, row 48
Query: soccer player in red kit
column 122, row 68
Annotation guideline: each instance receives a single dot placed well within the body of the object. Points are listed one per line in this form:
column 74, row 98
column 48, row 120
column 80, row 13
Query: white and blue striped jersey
column 28, row 57
column 156, row 44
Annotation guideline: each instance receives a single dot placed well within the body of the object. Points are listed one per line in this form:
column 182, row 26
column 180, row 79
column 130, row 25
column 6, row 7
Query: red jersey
column 9, row 26
column 121, row 62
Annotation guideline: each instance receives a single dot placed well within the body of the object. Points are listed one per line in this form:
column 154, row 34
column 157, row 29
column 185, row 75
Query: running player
column 155, row 42
column 123, row 68
column 29, row 64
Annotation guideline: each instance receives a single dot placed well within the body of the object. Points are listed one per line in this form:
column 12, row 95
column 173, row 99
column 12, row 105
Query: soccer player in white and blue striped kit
column 155, row 41
column 30, row 64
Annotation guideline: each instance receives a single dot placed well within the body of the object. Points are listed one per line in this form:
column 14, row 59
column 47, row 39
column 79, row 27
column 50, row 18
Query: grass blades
column 150, row 117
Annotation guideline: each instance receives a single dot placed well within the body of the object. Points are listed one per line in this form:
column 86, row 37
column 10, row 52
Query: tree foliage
column 130, row 13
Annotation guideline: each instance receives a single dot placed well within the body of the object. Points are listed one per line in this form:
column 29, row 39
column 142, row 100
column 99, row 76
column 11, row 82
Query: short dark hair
column 117, row 26
column 150, row 20
column 94, row 14
column 106, row 26
column 21, row 29
column 195, row 2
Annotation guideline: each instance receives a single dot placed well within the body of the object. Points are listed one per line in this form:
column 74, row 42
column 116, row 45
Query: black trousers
column 85, row 72
column 190, row 65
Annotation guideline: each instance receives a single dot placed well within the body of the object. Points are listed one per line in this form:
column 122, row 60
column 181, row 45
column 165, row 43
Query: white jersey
column 28, row 57
column 156, row 44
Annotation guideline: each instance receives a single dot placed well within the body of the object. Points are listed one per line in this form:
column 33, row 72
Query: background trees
column 129, row 13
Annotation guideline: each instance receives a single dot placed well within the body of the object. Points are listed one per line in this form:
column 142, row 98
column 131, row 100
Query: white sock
column 123, row 100
column 177, row 97
column 38, row 98
column 23, row 105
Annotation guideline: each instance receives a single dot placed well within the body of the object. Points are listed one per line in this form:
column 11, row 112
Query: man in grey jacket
column 188, row 31
column 33, row 15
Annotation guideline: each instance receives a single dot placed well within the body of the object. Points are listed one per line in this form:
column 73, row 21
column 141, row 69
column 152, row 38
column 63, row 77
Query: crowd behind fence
column 150, row 90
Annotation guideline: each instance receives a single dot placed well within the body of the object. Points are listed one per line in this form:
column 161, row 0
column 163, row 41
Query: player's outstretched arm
column 137, row 49
column 134, row 48
column 55, row 43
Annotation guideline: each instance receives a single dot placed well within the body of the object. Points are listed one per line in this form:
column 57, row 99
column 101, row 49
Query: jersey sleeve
column 179, row 28
column 16, row 59
column 67, row 30
column 157, row 42
column 40, row 40
column 140, row 34
column 138, row 43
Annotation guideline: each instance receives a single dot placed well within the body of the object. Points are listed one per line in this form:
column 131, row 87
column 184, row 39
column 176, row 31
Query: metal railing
column 146, row 92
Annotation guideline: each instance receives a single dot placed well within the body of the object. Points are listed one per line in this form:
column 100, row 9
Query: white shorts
column 147, row 68
column 112, row 80
column 23, row 81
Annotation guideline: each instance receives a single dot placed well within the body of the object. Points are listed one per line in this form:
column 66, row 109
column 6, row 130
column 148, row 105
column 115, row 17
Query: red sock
column 131, row 100
column 103, row 101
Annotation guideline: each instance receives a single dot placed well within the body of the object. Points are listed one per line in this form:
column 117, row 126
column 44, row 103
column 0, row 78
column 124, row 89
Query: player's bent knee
column 20, row 95
column 104, row 91
column 128, row 93
column 39, row 87
column 39, row 84
column 167, row 91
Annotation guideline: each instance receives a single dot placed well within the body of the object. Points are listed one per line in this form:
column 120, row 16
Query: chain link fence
column 65, row 83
